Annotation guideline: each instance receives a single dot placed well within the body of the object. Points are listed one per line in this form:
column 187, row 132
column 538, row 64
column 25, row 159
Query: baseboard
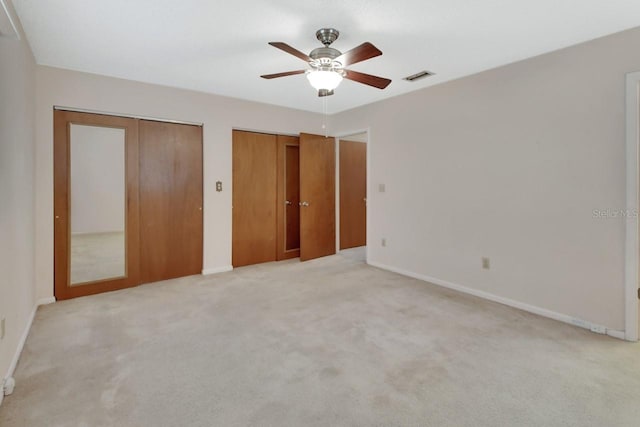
column 621, row 335
column 506, row 301
column 16, row 356
column 45, row 301
column 215, row 270
column 23, row 340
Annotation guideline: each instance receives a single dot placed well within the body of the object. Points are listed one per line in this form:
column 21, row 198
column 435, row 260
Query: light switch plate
column 381, row 188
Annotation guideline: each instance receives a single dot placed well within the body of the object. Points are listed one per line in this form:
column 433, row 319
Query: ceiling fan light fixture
column 324, row 79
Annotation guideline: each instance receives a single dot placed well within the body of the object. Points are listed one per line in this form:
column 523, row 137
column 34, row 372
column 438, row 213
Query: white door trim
column 632, row 252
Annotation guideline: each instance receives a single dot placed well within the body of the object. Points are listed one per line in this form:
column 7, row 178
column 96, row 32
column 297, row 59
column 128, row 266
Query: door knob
column 304, row 204
column 287, row 202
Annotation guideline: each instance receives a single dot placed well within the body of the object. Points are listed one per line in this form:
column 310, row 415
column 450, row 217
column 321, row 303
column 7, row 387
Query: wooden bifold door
column 283, row 197
column 127, row 202
column 254, row 198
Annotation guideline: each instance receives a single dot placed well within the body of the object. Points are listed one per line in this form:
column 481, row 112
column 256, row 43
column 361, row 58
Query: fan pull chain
column 324, row 116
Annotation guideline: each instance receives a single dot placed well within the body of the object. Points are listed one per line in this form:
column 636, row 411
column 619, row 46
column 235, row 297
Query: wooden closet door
column 288, row 208
column 93, row 257
column 353, row 194
column 254, row 198
column 170, row 200
column 317, row 195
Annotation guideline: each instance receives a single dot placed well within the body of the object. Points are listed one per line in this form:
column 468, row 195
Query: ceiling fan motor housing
column 327, row 35
column 321, row 53
column 323, row 56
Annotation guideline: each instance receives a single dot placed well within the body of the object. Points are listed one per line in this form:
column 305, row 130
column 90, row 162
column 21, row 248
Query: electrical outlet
column 2, row 328
column 383, row 242
column 218, row 186
column 486, row 264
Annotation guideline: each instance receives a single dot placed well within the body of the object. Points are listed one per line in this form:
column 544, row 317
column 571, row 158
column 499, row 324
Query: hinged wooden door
column 317, row 196
column 353, row 194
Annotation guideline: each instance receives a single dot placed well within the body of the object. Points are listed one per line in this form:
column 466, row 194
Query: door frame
column 339, row 137
column 632, row 244
column 282, row 253
column 126, row 116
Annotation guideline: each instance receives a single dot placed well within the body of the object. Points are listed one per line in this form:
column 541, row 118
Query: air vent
column 418, row 76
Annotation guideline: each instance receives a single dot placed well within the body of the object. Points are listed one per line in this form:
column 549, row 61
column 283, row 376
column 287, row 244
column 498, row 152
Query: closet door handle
column 305, row 204
column 287, row 202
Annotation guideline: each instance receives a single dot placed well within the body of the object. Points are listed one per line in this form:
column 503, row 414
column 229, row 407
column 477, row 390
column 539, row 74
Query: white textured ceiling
column 221, row 47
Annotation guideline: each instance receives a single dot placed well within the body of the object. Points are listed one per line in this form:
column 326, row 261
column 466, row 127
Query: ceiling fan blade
column 285, row 74
column 291, row 50
column 358, row 54
column 367, row 79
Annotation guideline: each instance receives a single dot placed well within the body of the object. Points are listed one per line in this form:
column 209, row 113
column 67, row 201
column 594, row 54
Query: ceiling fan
column 327, row 65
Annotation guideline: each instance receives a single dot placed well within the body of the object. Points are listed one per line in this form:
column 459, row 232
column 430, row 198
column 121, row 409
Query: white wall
column 218, row 114
column 97, row 179
column 17, row 142
column 357, row 137
column 510, row 164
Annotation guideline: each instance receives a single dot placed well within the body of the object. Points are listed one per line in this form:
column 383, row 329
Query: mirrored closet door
column 95, row 203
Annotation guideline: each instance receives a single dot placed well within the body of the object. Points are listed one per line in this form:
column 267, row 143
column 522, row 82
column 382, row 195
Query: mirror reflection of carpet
column 97, row 256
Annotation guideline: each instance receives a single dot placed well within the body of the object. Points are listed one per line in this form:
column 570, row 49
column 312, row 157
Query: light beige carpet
column 330, row 342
